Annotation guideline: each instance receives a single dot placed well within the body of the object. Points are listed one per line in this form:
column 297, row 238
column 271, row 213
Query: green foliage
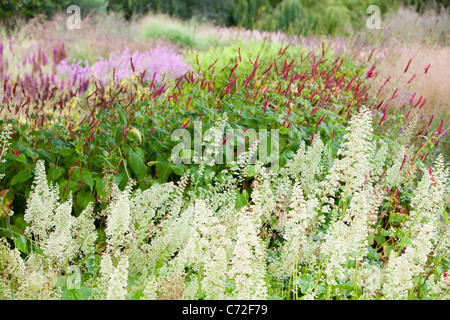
column 26, row 9
column 91, row 6
column 295, row 16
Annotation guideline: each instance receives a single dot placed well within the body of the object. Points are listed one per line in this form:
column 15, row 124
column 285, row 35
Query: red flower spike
column 412, row 98
column 370, row 57
column 439, row 130
column 320, row 121
column 410, row 80
column 431, row 120
column 132, row 65
column 407, row 66
column 185, row 125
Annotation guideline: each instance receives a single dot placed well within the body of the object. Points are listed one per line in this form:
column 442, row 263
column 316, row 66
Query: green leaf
column 83, row 199
column 398, row 218
column 67, row 151
column 241, row 199
column 55, row 172
column 22, row 158
column 137, row 162
column 99, row 161
column 304, row 282
column 22, row 176
column 20, row 223
column 250, row 171
column 71, row 294
column 178, row 169
column 100, row 184
column 380, row 239
column 163, row 169
column 122, row 116
column 87, row 177
column 20, row 242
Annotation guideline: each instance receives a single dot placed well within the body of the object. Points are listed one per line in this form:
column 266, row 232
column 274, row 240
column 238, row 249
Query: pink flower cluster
column 73, row 74
column 158, row 63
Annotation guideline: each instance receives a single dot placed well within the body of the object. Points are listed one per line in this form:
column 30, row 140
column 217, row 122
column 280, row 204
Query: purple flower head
column 160, row 61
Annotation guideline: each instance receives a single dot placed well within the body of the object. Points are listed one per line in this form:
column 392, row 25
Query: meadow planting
column 161, row 159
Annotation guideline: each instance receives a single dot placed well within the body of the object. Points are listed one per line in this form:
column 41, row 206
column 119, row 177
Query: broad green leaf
column 22, row 176
column 83, row 199
column 241, row 199
column 55, row 172
column 136, row 160
column 178, row 169
column 20, row 242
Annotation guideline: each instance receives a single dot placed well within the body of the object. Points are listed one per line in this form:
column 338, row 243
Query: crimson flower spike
column 185, row 125
column 407, row 115
column 370, row 56
column 423, row 102
column 439, row 130
column 412, row 98
column 382, row 119
column 431, row 120
column 410, row 80
column 403, row 162
column 406, row 69
column 320, row 121
column 394, row 95
column 426, row 69
column 417, row 103
column 132, row 65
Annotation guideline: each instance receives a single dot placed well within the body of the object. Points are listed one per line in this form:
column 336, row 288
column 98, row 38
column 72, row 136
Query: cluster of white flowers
column 118, row 223
column 213, row 141
column 379, row 161
column 300, row 226
column 84, row 228
column 248, row 262
column 148, row 205
column 41, row 205
column 306, row 164
column 150, row 288
column 347, row 238
column 5, row 137
column 13, row 269
column 356, row 164
column 60, row 245
column 54, row 228
column 423, row 230
column 394, row 175
column 113, row 281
